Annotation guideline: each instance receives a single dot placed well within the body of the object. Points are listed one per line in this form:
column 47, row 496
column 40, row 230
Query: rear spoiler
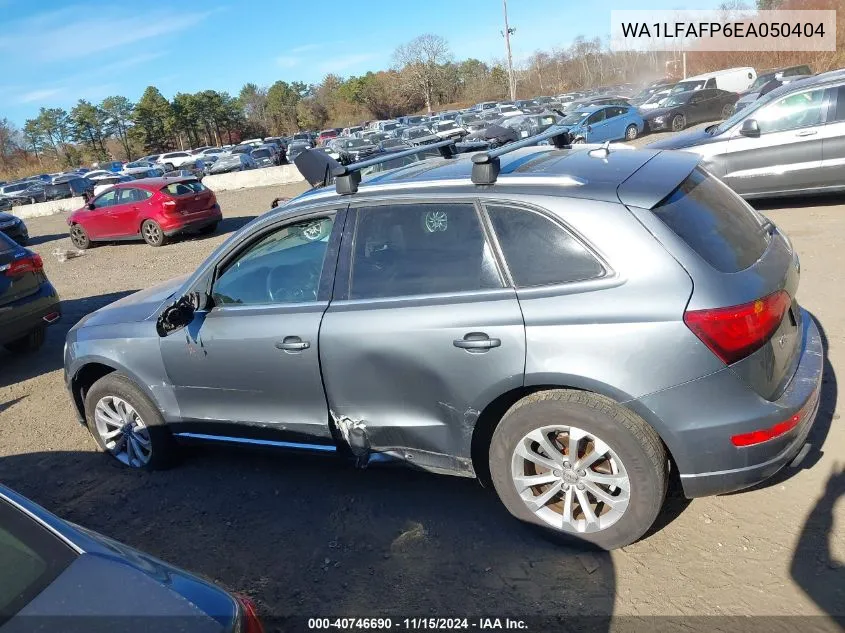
column 657, row 178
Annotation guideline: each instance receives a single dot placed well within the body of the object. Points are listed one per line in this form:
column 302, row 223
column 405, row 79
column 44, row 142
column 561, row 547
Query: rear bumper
column 700, row 417
column 17, row 232
column 192, row 222
column 29, row 313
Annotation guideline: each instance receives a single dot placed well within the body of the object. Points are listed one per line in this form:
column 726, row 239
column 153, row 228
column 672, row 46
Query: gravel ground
column 310, row 536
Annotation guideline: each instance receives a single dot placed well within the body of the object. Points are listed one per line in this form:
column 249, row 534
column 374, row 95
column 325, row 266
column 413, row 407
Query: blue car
column 595, row 124
column 55, row 576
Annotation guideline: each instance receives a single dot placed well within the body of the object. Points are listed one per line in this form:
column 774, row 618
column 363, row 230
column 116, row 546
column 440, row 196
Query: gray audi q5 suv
column 572, row 324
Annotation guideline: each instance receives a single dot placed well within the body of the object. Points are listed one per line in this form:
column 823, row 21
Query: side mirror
column 180, row 314
column 589, row 128
column 750, row 128
column 91, row 206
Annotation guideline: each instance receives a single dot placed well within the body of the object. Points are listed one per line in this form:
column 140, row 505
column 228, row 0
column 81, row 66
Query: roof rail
column 485, row 165
column 347, row 177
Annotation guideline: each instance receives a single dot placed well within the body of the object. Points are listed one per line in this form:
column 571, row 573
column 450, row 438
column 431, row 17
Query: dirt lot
column 309, row 536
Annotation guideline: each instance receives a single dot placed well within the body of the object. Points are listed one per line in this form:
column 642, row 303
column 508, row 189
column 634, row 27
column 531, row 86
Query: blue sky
column 53, row 53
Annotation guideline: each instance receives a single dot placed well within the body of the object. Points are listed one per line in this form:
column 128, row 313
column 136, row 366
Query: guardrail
column 52, row 207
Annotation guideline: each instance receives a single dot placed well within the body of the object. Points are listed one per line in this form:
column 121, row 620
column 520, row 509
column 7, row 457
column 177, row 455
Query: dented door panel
column 397, row 383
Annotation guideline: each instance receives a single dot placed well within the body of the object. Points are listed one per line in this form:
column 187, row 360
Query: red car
column 153, row 209
column 326, row 135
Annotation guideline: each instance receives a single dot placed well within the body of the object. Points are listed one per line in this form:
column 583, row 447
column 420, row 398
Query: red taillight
column 735, row 332
column 781, row 428
column 29, row 264
column 250, row 623
column 169, row 206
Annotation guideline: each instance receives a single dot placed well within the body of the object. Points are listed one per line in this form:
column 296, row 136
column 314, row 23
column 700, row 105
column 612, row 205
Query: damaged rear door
column 421, row 333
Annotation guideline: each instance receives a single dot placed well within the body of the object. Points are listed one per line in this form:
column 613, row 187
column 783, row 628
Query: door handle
column 808, row 133
column 476, row 342
column 292, row 344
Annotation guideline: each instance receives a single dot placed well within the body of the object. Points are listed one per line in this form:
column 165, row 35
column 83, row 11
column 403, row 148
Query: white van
column 731, row 79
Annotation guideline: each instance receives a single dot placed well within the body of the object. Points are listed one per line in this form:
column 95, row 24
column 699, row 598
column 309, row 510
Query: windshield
column 392, row 142
column 728, row 123
column 685, row 86
column 416, row 133
column 677, row 100
column 507, row 109
column 261, row 153
column 575, row 118
column 469, row 118
column 387, row 127
column 353, row 142
column 446, row 125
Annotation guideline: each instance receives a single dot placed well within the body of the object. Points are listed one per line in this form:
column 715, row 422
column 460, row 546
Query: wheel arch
column 93, row 368
column 493, row 413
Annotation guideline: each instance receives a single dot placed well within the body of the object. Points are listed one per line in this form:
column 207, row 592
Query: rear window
column 261, row 153
column 184, row 188
column 7, row 244
column 714, row 222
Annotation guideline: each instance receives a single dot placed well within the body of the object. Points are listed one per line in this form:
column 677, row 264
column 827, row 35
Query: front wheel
column 127, row 425
column 152, row 233
column 631, row 132
column 679, row 122
column 581, row 466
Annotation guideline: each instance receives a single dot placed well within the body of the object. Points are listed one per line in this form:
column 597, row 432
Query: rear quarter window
column 714, row 222
column 538, row 251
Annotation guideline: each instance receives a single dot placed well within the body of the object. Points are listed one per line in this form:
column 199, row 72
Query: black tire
column 727, row 110
column 168, row 167
column 152, row 233
column 636, row 444
column 32, row 342
column 208, row 230
column 79, row 237
column 164, row 448
column 631, row 132
column 679, row 122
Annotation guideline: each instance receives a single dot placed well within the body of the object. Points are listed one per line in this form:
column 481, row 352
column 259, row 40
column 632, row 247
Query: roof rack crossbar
column 348, row 177
column 485, row 165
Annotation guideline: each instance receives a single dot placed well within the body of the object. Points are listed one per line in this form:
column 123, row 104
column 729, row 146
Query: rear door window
column 539, row 251
column 714, row 222
column 840, row 105
column 419, row 249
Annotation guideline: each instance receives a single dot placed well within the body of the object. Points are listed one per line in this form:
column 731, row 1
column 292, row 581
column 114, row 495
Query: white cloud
column 346, row 62
column 63, row 34
column 305, row 48
column 288, row 61
column 38, row 95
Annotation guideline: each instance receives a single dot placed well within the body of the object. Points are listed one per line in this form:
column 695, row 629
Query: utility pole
column 507, row 35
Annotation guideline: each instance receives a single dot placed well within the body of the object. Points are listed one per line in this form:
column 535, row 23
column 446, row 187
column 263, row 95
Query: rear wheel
column 32, row 342
column 79, row 237
column 152, row 233
column 679, row 122
column 727, row 110
column 168, row 167
column 581, row 466
column 127, row 425
column 631, row 132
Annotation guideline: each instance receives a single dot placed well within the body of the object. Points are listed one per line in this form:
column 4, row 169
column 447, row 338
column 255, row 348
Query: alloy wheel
column 570, row 479
column 78, row 237
column 152, row 232
column 122, row 431
column 678, row 123
column 631, row 132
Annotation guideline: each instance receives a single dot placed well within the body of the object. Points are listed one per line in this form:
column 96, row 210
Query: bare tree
column 422, row 60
